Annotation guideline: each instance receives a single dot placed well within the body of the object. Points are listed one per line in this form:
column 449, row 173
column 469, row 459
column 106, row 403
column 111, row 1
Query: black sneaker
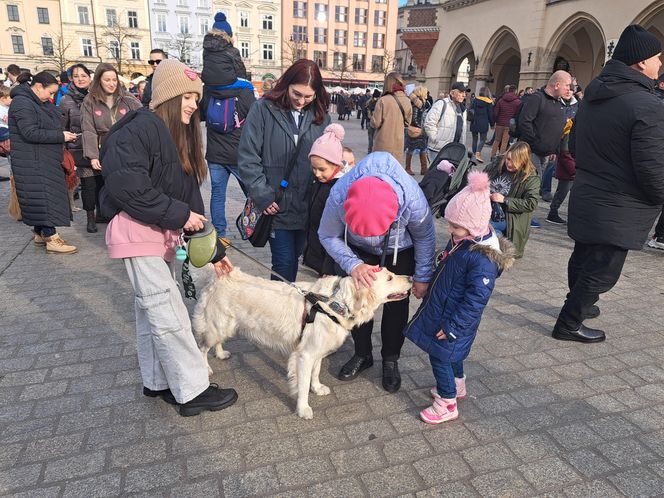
column 165, row 394
column 555, row 219
column 212, row 399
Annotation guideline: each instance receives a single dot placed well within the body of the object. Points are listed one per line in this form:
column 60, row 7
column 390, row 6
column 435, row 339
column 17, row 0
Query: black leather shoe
column 391, row 376
column 212, row 399
column 354, row 366
column 165, row 394
column 582, row 334
column 593, row 312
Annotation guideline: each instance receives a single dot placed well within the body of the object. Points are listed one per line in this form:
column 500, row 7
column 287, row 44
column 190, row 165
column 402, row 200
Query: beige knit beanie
column 173, row 78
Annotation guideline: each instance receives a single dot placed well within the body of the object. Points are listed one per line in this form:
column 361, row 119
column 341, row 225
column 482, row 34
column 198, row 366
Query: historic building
column 500, row 42
column 352, row 41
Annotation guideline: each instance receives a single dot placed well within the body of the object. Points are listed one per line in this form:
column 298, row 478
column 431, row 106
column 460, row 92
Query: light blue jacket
column 415, row 227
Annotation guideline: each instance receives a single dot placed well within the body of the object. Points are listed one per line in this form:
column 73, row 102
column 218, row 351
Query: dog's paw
column 320, row 390
column 306, row 413
column 222, row 355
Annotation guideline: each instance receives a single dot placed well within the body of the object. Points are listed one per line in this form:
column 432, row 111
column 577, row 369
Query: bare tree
column 292, row 51
column 181, row 47
column 116, row 39
column 55, row 53
column 386, row 64
column 344, row 70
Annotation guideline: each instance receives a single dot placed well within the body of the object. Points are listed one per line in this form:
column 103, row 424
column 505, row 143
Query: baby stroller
column 439, row 186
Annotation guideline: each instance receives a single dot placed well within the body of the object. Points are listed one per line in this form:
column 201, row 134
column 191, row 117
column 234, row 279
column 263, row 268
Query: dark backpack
column 222, row 116
column 514, row 123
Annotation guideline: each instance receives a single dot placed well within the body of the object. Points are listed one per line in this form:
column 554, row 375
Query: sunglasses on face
column 154, row 63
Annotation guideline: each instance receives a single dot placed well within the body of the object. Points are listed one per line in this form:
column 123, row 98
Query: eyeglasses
column 298, row 96
column 153, row 63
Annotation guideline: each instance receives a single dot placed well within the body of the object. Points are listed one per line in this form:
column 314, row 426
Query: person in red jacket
column 505, row 109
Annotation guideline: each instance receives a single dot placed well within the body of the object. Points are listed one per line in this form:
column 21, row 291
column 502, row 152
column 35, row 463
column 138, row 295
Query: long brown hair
column 303, row 72
column 187, row 138
column 519, row 154
column 96, row 92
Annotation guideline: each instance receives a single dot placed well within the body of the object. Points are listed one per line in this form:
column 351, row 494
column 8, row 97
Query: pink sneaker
column 442, row 410
column 460, row 388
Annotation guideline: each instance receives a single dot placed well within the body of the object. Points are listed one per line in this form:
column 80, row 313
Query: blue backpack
column 222, row 116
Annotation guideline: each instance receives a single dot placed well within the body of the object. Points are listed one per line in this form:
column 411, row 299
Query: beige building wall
column 371, row 61
column 25, row 33
column 510, row 41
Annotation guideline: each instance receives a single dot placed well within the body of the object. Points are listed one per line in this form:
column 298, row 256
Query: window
column 17, row 44
column 320, row 35
column 299, row 34
column 376, row 63
column 132, row 19
column 339, row 37
column 12, row 13
column 204, row 4
column 47, row 45
column 300, row 9
column 320, row 58
column 111, row 17
column 360, row 39
column 184, row 24
column 182, row 3
column 42, row 15
column 114, row 49
column 161, row 23
column 341, row 13
column 360, row 16
column 83, row 16
column 86, row 45
column 268, row 51
column 204, row 25
column 379, row 18
column 378, row 40
column 185, row 53
column 381, row 1
column 244, row 19
column 244, row 50
column 135, row 50
column 358, row 62
column 339, row 60
column 320, row 13
column 268, row 20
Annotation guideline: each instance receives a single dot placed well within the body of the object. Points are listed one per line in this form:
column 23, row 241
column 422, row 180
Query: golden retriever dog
column 274, row 314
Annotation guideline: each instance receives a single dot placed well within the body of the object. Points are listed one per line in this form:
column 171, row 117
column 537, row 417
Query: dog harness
column 315, row 300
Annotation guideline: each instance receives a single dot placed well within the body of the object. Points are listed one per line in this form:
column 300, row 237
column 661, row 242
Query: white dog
column 274, row 314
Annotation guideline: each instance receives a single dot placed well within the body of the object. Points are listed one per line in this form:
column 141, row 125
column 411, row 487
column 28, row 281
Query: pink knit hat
column 471, row 208
column 328, row 145
column 371, row 207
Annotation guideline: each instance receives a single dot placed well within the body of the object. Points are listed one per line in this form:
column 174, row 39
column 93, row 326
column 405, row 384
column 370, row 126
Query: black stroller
column 438, row 186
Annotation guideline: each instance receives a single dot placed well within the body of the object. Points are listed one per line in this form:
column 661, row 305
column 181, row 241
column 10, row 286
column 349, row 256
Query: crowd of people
column 141, row 164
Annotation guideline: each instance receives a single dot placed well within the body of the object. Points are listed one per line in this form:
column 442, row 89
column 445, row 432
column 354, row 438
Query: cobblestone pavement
column 542, row 417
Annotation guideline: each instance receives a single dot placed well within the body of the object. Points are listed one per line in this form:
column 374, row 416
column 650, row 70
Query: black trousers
column 593, row 269
column 659, row 228
column 90, row 187
column 395, row 314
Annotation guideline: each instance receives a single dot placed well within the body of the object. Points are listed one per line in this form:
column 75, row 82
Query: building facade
column 352, row 41
column 501, row 42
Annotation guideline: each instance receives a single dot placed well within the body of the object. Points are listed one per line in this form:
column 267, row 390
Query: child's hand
column 441, row 335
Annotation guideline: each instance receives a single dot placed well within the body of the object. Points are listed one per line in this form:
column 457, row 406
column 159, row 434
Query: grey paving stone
column 497, row 404
column 55, row 447
column 15, row 412
column 23, row 378
column 252, row 482
column 589, row 463
column 197, row 442
column 347, row 487
column 489, row 457
column 575, row 435
column 592, row 489
column 114, row 435
column 452, row 436
column 655, row 441
column 80, row 465
column 41, row 391
column 612, row 427
column 437, row 469
column 98, row 486
column 138, row 454
column 50, row 492
column 532, row 447
column 357, row 460
column 406, row 449
column 72, row 422
column 390, row 403
column 392, row 481
column 27, row 430
column 626, row 453
column 491, row 428
column 273, row 451
column 605, row 403
column 153, row 476
column 305, row 471
column 363, row 432
column 208, row 489
column 318, row 442
column 348, row 413
column 9, row 454
column 219, row 461
column 549, row 473
column 502, row 483
column 251, row 432
column 57, row 359
column 92, row 383
column 647, row 419
column 57, row 406
column 456, row 490
column 637, row 482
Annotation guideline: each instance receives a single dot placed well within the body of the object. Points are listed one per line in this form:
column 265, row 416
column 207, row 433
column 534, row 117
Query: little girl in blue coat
column 446, row 323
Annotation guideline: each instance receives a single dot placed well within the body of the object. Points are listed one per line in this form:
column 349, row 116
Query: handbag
column 252, row 224
column 14, row 208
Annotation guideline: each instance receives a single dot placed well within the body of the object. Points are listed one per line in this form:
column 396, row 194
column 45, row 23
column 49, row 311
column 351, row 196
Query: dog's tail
column 292, row 373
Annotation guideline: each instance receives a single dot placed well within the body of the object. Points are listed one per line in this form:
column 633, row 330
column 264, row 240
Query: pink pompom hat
column 471, row 208
column 329, row 146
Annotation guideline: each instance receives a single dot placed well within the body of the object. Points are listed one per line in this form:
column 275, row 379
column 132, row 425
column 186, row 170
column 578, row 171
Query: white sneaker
column 656, row 243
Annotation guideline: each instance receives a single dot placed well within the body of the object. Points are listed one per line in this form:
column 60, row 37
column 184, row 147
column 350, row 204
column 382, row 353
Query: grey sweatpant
column 167, row 352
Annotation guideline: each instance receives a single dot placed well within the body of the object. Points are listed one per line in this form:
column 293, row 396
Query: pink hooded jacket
column 129, row 238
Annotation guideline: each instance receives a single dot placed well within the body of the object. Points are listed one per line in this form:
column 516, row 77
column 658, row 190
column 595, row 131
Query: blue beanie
column 220, row 23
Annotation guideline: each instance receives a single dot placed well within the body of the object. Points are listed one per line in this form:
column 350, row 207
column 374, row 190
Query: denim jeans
column 478, row 141
column 444, row 372
column 564, row 186
column 547, row 177
column 45, row 231
column 219, row 174
column 500, row 226
column 286, row 247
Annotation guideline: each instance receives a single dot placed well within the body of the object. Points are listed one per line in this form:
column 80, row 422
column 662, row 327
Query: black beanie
column 635, row 45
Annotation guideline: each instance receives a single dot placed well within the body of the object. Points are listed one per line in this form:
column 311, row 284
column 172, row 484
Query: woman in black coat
column 37, row 151
column 482, row 111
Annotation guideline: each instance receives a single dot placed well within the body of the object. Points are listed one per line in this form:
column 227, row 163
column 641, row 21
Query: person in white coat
column 446, row 121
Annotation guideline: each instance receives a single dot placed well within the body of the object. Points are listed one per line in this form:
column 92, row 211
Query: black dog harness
column 315, row 300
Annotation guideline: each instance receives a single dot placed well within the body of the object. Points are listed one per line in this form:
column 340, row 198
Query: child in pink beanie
column 446, row 324
column 330, row 160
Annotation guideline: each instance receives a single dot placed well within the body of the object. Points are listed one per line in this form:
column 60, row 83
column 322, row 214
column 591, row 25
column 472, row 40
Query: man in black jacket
column 156, row 56
column 618, row 143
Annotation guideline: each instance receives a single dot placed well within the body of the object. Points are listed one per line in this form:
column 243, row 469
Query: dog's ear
column 362, row 298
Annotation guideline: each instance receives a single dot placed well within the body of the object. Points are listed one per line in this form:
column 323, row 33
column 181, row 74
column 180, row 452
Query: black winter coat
column 70, row 107
column 618, row 142
column 35, row 131
column 541, row 122
column 147, row 92
column 143, row 175
column 222, row 63
column 315, row 256
column 482, row 117
column 222, row 147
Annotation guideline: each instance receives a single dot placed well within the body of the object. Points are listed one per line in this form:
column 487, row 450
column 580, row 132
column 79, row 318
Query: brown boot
column 38, row 240
column 424, row 166
column 56, row 245
column 478, row 156
column 409, row 160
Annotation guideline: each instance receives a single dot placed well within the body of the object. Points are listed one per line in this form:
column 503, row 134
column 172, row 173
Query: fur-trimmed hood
column 503, row 256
